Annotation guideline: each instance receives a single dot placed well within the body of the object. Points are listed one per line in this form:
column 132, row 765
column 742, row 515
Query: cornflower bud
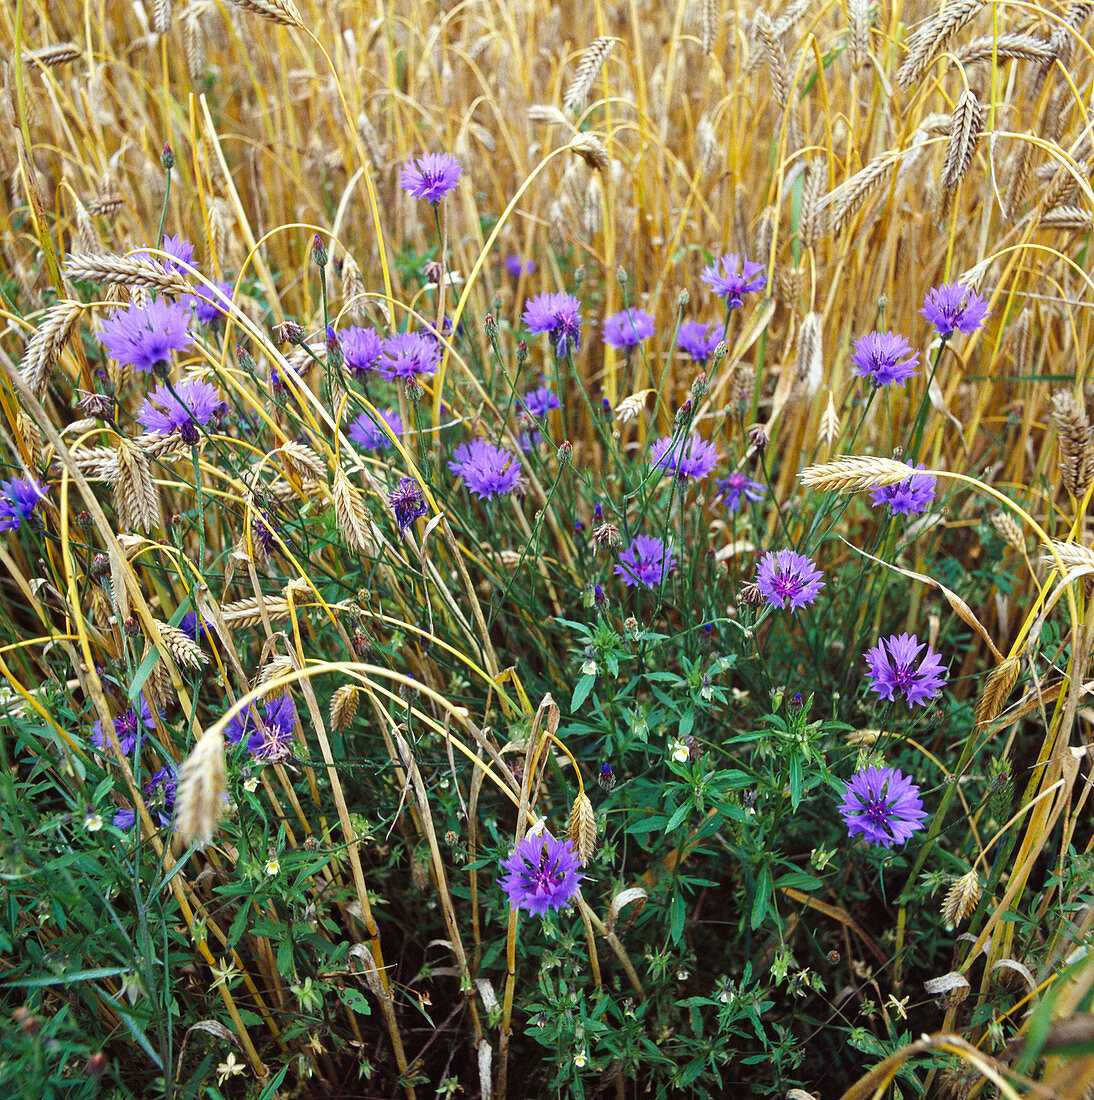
column 490, row 327
column 288, row 332
column 607, row 534
column 565, row 453
column 334, row 348
column 319, row 252
column 621, row 275
column 167, row 157
column 683, row 415
column 683, row 299
column 699, row 386
column 522, row 353
column 245, row 359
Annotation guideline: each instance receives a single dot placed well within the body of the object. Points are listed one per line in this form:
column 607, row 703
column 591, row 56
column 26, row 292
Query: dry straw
column 1073, row 436
column 588, row 68
column 203, row 782
column 962, row 898
column 853, row 474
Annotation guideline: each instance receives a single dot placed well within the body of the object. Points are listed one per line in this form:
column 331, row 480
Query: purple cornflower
column 211, row 304
column 541, row 873
column 517, row 267
column 559, row 315
column 159, row 798
column 694, row 459
column 164, row 413
column 893, row 669
column 146, row 335
column 738, row 276
column 270, row 736
column 407, row 502
column 731, row 489
column 698, row 340
column 408, row 355
column 953, row 306
column 128, row 727
column 179, row 251
column 368, row 433
column 907, row 498
column 191, row 626
column 788, row 579
column 884, row 358
column 19, row 499
column 884, row 805
column 488, row 470
column 647, row 561
column 363, row 348
column 540, row 402
column 529, row 441
column 628, row 328
column 431, row 177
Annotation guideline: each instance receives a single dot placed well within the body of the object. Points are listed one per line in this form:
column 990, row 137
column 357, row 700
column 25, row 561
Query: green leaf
column 354, row 999
column 239, row 923
column 680, row 816
column 581, row 691
column 677, row 915
column 762, row 898
column 799, row 880
column 795, row 781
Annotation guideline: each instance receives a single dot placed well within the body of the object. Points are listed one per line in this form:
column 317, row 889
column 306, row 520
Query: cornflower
column 159, row 798
column 647, row 561
column 269, row 737
column 953, row 306
column 197, row 402
column 145, row 336
column 695, row 458
column 559, row 315
column 735, row 487
column 541, row 873
column 363, row 349
column 407, row 502
column 180, row 255
column 431, row 177
column 628, row 328
column 128, row 727
column 884, row 805
column 540, row 402
column 885, row 358
column 907, row 498
column 207, row 311
column 893, row 669
column 488, row 470
column 737, row 277
column 367, row 432
column 788, row 579
column 20, row 496
column 698, row 340
column 408, row 355
column 517, row 267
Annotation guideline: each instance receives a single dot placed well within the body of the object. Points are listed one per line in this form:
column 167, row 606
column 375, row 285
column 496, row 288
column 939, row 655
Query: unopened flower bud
column 131, row 627
column 682, row 299
column 319, row 252
column 433, row 271
column 565, row 453
column 621, row 275
column 100, row 567
column 522, row 353
column 579, row 275
column 167, row 157
column 288, row 332
column 759, row 436
column 245, row 359
column 490, row 327
column 413, row 391
column 334, row 348
column 96, row 1064
column 720, row 352
column 607, row 534
column 683, row 415
column 699, row 386
column 83, row 520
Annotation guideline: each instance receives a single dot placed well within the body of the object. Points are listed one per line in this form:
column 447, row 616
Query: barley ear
column 1073, row 436
column 343, row 706
column 582, row 827
column 962, row 898
column 999, row 684
column 203, row 782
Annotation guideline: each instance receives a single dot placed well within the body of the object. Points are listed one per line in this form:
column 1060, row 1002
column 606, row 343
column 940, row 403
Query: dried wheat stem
column 582, row 827
column 181, row 646
column 998, row 686
column 57, row 53
column 1074, row 555
column 1008, row 530
column 842, row 201
column 962, row 898
column 351, row 513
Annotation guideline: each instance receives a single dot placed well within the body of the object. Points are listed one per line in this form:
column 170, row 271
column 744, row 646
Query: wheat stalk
column 582, row 827
column 277, row 11
column 932, row 37
column 124, row 271
column 858, row 17
column 1073, row 436
column 962, row 898
column 1006, row 527
column 1007, row 47
column 996, row 689
column 57, row 53
column 350, row 512
column 135, row 499
column 841, row 202
column 248, row 612
column 631, row 406
column 968, row 120
column 830, row 426
column 300, row 460
column 1074, row 555
column 44, row 347
column 853, row 474
column 343, row 706
column 108, row 201
column 710, row 15
column 588, row 67
column 809, row 367
column 811, row 222
column 181, row 646
column 591, row 150
column 1068, row 217
column 161, row 16
column 203, row 781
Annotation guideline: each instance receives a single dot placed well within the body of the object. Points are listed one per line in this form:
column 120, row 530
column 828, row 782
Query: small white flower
column 581, row 1059
column 93, row 822
column 682, row 975
column 589, row 668
column 229, row 1068
column 251, row 785
column 679, row 752
column 273, row 866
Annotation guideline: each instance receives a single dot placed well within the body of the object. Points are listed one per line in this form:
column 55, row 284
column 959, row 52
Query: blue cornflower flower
column 735, row 487
column 907, row 498
column 159, row 798
column 953, row 306
column 788, row 579
column 893, row 669
column 884, row 358
column 407, row 502
column 19, row 499
column 270, row 736
column 540, row 402
column 698, row 340
column 488, row 470
column 209, row 304
column 558, row 315
column 884, row 805
column 363, row 349
column 408, row 355
column 694, row 458
column 146, row 335
column 541, row 873
column 628, row 328
column 366, row 432
column 128, row 726
column 736, row 277
column 431, row 177
column 197, row 402
column 647, row 561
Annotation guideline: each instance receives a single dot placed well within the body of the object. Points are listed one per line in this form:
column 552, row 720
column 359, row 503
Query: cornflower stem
column 920, row 421
column 163, row 211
